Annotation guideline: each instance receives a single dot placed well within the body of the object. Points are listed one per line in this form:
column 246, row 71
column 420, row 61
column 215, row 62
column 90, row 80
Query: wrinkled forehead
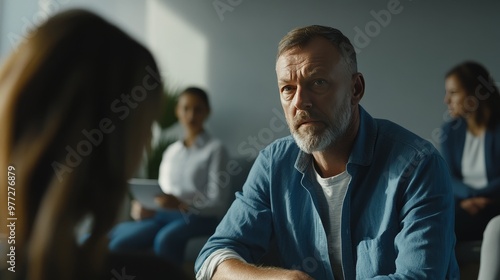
column 315, row 56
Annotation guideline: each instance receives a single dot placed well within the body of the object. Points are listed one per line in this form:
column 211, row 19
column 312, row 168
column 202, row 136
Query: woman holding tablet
column 194, row 199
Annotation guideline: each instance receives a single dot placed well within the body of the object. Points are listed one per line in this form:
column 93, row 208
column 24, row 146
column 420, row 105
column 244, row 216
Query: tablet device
column 145, row 191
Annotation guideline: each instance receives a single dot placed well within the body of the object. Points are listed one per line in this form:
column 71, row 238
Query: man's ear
column 358, row 88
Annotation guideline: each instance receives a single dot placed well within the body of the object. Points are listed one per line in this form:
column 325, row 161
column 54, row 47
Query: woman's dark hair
column 197, row 92
column 64, row 83
column 481, row 88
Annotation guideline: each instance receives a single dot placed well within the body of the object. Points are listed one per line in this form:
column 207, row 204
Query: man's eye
column 319, row 82
column 287, row 92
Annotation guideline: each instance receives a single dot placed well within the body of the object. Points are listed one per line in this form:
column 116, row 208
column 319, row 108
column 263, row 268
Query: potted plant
column 160, row 142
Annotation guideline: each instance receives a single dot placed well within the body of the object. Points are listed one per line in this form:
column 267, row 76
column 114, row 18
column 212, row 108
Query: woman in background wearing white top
column 471, row 146
column 194, row 199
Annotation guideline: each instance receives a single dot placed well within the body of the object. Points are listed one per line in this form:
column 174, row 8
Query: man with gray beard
column 346, row 196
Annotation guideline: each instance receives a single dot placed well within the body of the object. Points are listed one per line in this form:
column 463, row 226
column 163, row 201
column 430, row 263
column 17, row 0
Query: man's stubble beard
column 314, row 139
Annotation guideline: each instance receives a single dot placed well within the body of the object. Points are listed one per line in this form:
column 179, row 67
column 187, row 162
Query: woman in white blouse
column 195, row 198
column 471, row 146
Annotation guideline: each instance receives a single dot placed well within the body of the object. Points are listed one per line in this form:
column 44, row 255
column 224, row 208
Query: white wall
column 127, row 14
column 16, row 17
column 403, row 59
column 19, row 16
column 232, row 53
column 2, row 23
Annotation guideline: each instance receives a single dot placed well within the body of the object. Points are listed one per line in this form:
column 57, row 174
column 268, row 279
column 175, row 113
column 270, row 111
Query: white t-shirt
column 473, row 161
column 334, row 189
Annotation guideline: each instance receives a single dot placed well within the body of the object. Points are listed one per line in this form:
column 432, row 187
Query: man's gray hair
column 300, row 37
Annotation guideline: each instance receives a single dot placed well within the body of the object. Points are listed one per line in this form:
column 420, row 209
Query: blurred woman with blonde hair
column 77, row 100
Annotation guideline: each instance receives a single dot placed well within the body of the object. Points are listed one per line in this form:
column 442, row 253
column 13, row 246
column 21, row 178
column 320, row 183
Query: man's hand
column 236, row 269
column 137, row 212
column 475, row 205
column 169, row 201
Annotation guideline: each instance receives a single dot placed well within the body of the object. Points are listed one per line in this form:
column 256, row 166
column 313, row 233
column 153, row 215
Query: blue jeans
column 167, row 233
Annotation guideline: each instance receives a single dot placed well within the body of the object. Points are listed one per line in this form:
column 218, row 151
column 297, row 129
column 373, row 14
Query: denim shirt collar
column 364, row 144
column 363, row 148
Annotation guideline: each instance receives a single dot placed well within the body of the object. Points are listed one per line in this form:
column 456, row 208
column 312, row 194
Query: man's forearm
column 236, row 269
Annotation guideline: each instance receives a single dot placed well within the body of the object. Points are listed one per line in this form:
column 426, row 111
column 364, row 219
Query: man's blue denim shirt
column 397, row 217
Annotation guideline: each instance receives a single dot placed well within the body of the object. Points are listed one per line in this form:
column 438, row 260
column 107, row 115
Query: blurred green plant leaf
column 168, row 117
column 153, row 155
